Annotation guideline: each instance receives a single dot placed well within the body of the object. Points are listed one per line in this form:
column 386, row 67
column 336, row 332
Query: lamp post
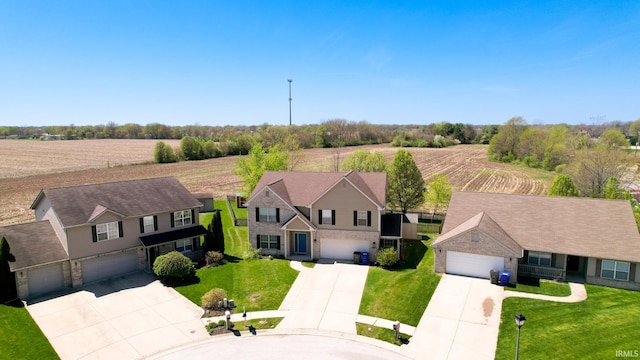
column 520, row 319
column 289, row 101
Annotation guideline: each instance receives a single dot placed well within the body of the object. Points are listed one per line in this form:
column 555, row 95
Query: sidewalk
column 578, row 293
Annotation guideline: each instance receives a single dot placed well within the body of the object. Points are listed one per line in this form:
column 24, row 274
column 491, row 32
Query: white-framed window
column 269, row 241
column 539, row 258
column 327, row 217
column 107, row 231
column 389, row 243
column 184, row 245
column 617, row 270
column 182, row 218
column 268, row 215
column 148, row 224
column 362, row 218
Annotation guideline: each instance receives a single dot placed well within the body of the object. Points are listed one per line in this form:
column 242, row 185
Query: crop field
column 29, row 166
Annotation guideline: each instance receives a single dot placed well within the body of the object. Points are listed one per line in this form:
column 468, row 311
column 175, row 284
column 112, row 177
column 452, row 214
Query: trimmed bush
column 387, row 257
column 214, row 258
column 173, row 266
column 252, row 253
column 211, row 299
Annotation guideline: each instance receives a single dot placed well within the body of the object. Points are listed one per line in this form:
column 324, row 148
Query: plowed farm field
column 27, row 166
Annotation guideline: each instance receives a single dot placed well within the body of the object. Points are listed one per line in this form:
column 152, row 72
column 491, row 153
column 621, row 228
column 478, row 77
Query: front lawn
column 543, row 287
column 20, row 337
column 404, row 293
column 256, row 284
column 596, row 328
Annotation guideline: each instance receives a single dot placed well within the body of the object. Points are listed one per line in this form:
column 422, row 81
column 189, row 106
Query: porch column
column 286, row 243
column 311, row 243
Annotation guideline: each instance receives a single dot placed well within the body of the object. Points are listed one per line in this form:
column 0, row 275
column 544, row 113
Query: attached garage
column 475, row 265
column 45, row 279
column 341, row 249
column 108, row 266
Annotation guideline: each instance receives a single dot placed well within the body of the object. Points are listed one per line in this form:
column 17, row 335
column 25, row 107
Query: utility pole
column 289, row 101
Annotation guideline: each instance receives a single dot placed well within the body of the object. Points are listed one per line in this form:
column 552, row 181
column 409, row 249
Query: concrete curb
column 578, row 293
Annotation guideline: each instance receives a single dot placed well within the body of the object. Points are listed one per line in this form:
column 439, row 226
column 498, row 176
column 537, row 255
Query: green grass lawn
column 543, row 287
column 20, row 337
column 383, row 334
column 592, row 329
column 404, row 293
column 255, row 284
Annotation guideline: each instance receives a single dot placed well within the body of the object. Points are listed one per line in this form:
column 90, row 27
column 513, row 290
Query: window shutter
column 173, row 219
column 257, row 241
column 155, row 222
column 277, row 215
column 94, row 233
column 368, row 218
column 141, row 225
column 319, row 216
column 193, row 216
column 355, row 217
column 598, row 267
column 120, row 229
column 278, row 242
column 257, row 214
column 333, row 217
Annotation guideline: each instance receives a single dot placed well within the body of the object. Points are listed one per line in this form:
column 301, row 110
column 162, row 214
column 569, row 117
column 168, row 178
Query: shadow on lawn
column 412, row 253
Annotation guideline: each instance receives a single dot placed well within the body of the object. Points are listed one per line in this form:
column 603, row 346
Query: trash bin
column 364, row 259
column 504, row 278
column 356, row 257
column 494, row 275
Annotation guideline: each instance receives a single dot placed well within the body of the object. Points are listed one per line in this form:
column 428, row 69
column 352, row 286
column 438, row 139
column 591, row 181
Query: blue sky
column 386, row 62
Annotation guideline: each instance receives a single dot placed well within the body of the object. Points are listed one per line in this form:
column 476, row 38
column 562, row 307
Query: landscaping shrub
column 214, row 258
column 211, row 299
column 387, row 257
column 252, row 253
column 173, row 266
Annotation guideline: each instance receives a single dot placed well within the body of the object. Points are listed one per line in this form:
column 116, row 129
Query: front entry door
column 301, row 243
column 573, row 263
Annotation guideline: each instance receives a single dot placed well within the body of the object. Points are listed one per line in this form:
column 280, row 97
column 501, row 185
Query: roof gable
column 77, row 205
column 564, row 225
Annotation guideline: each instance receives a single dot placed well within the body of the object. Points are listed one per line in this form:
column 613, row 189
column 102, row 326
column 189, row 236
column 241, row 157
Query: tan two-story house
column 312, row 215
column 93, row 232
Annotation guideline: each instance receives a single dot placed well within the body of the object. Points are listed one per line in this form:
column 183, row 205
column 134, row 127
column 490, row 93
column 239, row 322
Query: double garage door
column 473, row 264
column 45, row 279
column 341, row 249
column 109, row 266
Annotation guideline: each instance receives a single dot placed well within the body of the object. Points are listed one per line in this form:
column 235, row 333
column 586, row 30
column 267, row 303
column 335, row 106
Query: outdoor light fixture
column 520, row 319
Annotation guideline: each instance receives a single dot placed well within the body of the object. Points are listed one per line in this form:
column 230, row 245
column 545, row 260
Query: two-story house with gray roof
column 93, row 232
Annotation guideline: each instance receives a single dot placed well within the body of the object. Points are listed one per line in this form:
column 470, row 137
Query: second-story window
column 361, row 218
column 107, row 231
column 328, row 217
column 268, row 214
column 148, row 224
column 182, row 218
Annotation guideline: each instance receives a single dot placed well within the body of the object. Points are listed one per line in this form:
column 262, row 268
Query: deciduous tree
column 251, row 167
column 365, row 161
column 592, row 168
column 439, row 192
column 406, row 185
column 563, row 186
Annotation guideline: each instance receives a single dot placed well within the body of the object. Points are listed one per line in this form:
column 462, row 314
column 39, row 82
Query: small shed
column 241, row 200
column 207, row 201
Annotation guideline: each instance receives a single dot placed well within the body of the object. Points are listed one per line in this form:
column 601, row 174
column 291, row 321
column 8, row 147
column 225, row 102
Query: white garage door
column 472, row 264
column 109, row 266
column 45, row 279
column 341, row 249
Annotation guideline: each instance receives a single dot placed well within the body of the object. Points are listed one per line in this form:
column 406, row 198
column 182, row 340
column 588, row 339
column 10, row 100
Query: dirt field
column 25, row 171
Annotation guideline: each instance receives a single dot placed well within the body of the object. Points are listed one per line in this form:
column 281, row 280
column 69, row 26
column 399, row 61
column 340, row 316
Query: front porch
column 543, row 272
column 560, row 267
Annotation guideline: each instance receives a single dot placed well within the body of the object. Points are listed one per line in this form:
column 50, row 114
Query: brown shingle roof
column 303, row 188
column 33, row 243
column 75, row 205
column 565, row 225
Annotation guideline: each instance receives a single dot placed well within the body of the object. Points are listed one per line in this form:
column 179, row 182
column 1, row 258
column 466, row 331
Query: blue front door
column 301, row 243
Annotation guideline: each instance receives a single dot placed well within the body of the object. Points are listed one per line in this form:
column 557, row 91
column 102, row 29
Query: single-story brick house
column 94, row 232
column 564, row 238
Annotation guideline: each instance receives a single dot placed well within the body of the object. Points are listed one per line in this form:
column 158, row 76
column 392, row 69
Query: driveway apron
column 125, row 318
column 326, row 297
column 461, row 321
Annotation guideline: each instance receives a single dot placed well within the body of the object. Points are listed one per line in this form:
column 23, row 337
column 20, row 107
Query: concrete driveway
column 129, row 317
column 461, row 321
column 326, row 297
